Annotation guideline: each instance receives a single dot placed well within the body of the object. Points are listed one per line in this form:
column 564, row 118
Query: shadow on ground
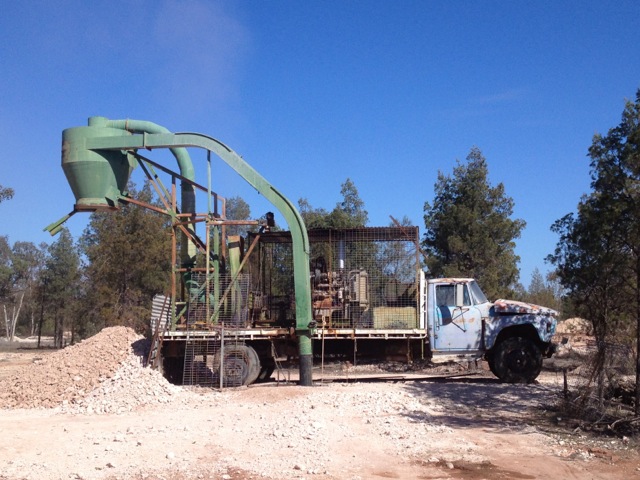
column 481, row 403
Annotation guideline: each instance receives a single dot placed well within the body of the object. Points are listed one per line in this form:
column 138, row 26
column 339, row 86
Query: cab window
column 446, row 296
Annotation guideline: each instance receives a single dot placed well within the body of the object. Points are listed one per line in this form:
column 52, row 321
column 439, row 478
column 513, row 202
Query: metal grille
column 160, row 314
column 202, row 363
column 211, row 358
column 218, row 362
column 225, row 304
column 360, row 278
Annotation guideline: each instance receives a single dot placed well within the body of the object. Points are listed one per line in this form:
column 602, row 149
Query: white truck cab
column 512, row 336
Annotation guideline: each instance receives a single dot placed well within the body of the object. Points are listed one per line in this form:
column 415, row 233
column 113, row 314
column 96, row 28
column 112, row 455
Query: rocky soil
column 91, row 411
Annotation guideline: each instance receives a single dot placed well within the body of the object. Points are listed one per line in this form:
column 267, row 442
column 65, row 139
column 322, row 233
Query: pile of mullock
column 102, row 374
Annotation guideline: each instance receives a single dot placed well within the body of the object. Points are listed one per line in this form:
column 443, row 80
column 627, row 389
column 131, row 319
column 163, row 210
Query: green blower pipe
column 188, row 195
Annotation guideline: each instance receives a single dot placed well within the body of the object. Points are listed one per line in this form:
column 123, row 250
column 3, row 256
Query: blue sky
column 310, row 93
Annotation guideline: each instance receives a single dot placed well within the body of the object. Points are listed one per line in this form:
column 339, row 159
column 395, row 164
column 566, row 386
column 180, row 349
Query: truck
column 371, row 299
column 244, row 293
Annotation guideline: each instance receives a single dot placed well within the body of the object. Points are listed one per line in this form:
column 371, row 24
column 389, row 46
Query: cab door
column 457, row 328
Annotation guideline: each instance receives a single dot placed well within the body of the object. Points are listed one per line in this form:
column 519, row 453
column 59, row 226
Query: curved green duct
column 187, row 191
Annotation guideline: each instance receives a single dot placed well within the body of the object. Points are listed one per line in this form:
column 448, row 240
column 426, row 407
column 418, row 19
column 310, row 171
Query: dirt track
column 463, row 429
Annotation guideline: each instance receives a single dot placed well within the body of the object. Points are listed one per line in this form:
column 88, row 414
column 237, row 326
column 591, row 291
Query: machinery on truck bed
column 370, row 298
column 237, row 303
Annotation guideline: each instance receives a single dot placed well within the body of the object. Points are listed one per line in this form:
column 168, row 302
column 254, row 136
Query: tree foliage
column 544, row 291
column 28, row 261
column 128, row 256
column 59, row 284
column 19, row 267
column 237, row 209
column 469, row 229
column 6, row 270
column 598, row 254
column 348, row 213
column 6, row 193
column 313, row 217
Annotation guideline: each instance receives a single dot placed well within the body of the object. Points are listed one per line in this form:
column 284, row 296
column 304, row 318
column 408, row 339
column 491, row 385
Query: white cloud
column 201, row 51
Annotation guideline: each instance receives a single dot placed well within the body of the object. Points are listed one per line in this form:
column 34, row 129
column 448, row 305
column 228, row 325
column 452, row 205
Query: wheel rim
column 519, row 361
column 241, row 366
column 235, row 369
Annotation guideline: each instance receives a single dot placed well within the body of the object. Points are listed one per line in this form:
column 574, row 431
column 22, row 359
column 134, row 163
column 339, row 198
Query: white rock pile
column 101, row 374
column 130, row 387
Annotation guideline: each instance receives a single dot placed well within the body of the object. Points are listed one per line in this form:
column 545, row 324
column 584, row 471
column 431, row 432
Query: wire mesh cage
column 216, row 304
column 219, row 362
column 219, row 300
column 360, row 278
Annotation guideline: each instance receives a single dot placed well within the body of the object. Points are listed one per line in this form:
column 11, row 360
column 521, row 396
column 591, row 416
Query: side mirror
column 459, row 295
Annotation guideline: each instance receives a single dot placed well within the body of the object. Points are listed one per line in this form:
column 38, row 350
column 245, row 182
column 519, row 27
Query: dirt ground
column 128, row 423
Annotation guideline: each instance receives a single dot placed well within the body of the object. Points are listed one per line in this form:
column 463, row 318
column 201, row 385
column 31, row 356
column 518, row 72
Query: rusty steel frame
column 181, row 222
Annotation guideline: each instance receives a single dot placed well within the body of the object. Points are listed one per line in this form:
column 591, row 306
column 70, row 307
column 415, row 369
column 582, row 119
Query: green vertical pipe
column 207, row 262
column 216, row 270
column 233, row 269
column 209, row 182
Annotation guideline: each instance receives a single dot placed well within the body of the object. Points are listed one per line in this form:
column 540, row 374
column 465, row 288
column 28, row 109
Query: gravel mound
column 102, row 374
column 130, row 387
column 578, row 326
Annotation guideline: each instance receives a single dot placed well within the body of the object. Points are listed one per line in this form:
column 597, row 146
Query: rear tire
column 516, row 360
column 241, row 365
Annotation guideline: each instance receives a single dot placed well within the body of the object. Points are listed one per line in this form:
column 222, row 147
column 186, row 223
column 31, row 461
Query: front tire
column 492, row 364
column 517, row 360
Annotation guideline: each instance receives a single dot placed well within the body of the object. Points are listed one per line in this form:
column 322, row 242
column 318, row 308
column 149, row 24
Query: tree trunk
column 6, row 321
column 58, row 334
column 55, row 331
column 41, row 321
column 14, row 318
column 60, row 330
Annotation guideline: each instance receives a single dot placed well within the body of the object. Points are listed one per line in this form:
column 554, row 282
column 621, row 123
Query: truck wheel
column 492, row 364
column 241, row 365
column 516, row 360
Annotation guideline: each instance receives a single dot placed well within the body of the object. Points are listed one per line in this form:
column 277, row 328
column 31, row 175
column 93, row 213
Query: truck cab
column 512, row 336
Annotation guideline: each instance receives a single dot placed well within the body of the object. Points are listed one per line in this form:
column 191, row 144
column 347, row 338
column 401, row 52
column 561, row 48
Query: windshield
column 477, row 293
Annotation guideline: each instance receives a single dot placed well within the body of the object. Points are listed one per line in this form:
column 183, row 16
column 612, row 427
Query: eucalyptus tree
column 27, row 262
column 348, row 213
column 6, row 274
column 544, row 291
column 19, row 266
